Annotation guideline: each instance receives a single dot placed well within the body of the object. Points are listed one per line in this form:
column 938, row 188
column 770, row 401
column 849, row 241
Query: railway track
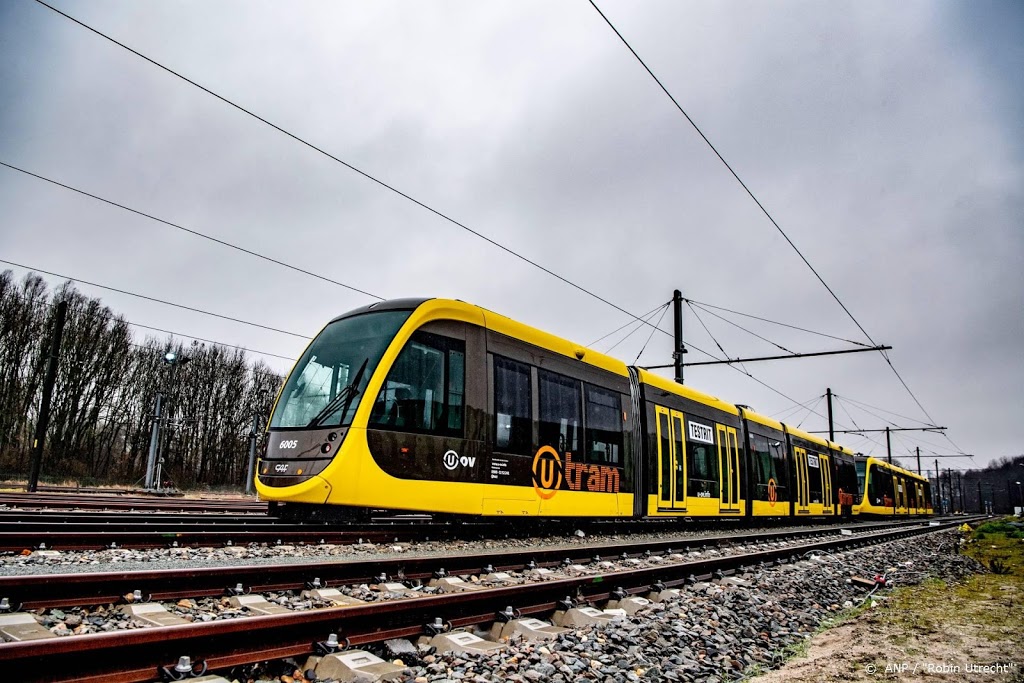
column 138, row 655
column 22, row 530
column 129, row 502
column 161, row 530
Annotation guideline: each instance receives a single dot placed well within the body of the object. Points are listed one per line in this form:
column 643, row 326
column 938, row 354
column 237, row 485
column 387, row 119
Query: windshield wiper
column 342, row 400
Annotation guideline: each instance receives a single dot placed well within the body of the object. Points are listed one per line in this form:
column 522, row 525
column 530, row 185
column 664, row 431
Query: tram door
column 803, row 490
column 728, row 469
column 827, row 506
column 671, row 460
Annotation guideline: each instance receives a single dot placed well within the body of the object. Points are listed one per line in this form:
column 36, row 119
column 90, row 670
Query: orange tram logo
column 550, row 473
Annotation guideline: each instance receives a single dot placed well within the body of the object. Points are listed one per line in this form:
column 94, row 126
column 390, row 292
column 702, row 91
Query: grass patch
column 991, row 604
column 998, row 528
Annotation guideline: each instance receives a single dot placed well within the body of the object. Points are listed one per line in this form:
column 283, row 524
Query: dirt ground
column 931, row 632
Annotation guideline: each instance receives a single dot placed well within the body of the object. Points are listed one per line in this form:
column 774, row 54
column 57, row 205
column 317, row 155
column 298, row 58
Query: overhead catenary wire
column 191, row 231
column 865, row 406
column 724, row 354
column 631, row 322
column 809, row 412
column 840, row 400
column 159, row 301
column 210, row 341
column 843, row 408
column 780, row 415
column 694, row 306
column 760, row 206
column 110, row 316
column 861, row 406
column 701, row 321
column 656, row 326
column 638, row 326
column 705, row 305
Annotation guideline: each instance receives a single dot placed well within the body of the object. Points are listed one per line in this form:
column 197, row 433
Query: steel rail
column 137, row 655
column 37, row 500
column 178, row 536
column 38, row 591
column 142, row 530
column 47, row 514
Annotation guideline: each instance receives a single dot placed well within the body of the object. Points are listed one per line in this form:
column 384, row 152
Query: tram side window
column 513, row 407
column 778, row 451
column 766, row 467
column 560, row 406
column 880, row 490
column 666, row 458
column 424, row 389
column 814, row 477
column 604, row 426
column 763, row 465
column 702, row 466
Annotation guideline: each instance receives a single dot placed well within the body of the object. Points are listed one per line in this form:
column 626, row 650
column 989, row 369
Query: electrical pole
column 938, row 483
column 981, row 499
column 251, row 470
column 154, row 440
column 165, row 414
column 677, row 314
column 831, row 427
column 888, row 445
column 960, row 487
column 44, row 409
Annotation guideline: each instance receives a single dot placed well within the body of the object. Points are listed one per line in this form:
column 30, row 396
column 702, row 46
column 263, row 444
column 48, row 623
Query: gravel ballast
column 714, row 632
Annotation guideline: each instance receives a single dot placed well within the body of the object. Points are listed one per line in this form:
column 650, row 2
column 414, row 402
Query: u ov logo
column 450, row 460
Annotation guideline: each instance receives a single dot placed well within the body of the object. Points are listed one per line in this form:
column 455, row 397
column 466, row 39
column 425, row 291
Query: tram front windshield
column 323, row 389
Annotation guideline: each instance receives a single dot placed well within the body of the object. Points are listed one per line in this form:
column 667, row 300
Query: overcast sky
column 887, row 139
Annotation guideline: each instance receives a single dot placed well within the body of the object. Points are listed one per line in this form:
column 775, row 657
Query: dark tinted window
column 559, row 412
column 317, row 392
column 604, row 426
column 814, row 465
column 702, row 465
column 666, row 457
column 880, row 488
column 768, row 465
column 424, row 389
column 513, row 412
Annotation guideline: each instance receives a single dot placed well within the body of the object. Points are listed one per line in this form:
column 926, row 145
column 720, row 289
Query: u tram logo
column 773, row 493
column 547, row 472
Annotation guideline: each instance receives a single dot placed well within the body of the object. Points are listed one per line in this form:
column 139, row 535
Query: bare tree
column 103, row 402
